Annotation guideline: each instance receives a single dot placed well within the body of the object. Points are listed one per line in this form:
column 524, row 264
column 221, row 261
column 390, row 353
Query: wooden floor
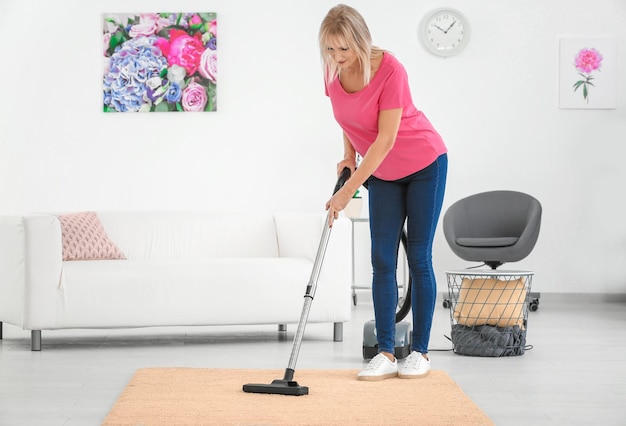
column 574, row 375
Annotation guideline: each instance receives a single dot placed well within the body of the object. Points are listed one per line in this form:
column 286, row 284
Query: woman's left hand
column 337, row 203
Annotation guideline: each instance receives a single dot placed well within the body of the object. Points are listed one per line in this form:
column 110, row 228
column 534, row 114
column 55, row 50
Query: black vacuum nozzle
column 284, row 386
column 277, row 387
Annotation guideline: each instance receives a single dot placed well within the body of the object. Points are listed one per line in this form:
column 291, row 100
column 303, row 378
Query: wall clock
column 444, row 32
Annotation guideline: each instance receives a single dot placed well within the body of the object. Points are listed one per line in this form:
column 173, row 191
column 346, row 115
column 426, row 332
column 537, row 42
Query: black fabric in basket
column 488, row 341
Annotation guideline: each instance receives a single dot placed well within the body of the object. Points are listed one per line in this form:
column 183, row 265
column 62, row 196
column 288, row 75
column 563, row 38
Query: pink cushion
column 84, row 238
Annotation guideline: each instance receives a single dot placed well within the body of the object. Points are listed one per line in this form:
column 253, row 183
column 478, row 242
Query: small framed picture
column 587, row 73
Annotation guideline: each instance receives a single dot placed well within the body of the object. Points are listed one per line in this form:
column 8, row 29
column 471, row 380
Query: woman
column 404, row 161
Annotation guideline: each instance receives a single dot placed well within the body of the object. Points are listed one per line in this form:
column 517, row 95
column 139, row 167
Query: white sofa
column 181, row 269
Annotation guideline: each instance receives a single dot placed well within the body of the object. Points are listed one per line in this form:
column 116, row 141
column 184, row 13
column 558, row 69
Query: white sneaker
column 379, row 368
column 415, row 366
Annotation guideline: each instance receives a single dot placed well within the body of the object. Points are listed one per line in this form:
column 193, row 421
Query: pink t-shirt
column 417, row 144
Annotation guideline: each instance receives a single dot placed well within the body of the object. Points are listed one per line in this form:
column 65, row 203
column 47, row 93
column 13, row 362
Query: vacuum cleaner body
column 402, row 346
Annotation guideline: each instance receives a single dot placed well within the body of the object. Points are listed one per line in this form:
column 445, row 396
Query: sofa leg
column 282, row 327
column 35, row 340
column 338, row 332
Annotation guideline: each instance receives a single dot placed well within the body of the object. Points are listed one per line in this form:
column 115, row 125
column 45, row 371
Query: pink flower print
column 195, row 22
column 212, row 27
column 185, row 51
column 586, row 61
column 146, row 27
column 208, row 65
column 194, row 97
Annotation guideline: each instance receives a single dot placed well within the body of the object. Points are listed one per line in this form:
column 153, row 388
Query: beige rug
column 192, row 396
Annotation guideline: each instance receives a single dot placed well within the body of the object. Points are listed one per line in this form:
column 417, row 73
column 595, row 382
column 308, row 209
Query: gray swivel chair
column 494, row 227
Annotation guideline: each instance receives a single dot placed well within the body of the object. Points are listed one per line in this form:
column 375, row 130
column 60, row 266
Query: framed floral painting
column 588, row 73
column 160, row 62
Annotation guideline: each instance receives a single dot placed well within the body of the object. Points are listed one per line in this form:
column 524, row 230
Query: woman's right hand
column 339, row 200
column 346, row 162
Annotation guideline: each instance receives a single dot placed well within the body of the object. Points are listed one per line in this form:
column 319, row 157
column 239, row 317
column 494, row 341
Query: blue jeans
column 416, row 200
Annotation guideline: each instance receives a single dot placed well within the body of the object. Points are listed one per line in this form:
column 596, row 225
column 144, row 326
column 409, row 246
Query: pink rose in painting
column 195, row 22
column 185, row 51
column 142, row 30
column 588, row 60
column 106, row 40
column 194, row 97
column 162, row 23
column 208, row 65
column 147, row 25
column 213, row 27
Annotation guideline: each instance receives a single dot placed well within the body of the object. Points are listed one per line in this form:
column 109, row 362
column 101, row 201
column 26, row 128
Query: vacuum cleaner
column 286, row 385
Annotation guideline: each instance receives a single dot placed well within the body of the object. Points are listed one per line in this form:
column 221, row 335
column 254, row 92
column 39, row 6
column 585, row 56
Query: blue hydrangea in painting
column 160, row 62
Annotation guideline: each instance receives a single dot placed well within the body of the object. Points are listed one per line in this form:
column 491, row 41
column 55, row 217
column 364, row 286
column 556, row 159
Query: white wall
column 273, row 143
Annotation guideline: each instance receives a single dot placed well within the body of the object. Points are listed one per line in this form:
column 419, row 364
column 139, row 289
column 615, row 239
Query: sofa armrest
column 30, row 270
column 299, row 235
column 12, row 269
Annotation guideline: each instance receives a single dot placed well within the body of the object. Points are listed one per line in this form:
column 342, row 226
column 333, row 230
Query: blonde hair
column 344, row 24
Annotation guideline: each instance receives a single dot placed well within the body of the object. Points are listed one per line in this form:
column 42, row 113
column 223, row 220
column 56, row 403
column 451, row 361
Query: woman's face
column 342, row 55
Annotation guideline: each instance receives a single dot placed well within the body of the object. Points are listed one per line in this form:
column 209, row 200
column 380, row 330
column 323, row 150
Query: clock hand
column 440, row 29
column 450, row 27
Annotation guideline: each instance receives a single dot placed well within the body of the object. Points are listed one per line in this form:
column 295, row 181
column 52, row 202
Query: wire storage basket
column 489, row 311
